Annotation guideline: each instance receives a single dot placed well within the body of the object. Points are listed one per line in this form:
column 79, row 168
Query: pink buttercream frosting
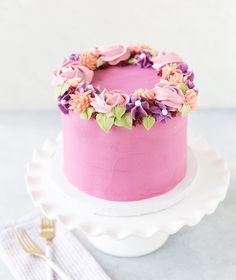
column 113, row 54
column 72, row 70
column 124, row 165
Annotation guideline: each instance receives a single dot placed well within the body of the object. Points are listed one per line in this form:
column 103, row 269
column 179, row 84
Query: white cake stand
column 130, row 228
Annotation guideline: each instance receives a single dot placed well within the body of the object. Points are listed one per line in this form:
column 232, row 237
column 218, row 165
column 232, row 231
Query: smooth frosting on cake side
column 124, row 165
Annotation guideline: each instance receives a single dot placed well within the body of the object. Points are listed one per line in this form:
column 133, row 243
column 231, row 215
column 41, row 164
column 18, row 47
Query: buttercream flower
column 169, row 94
column 190, row 98
column 145, row 93
column 106, row 100
column 80, row 101
column 177, row 78
column 190, row 84
column 85, row 87
column 144, row 59
column 63, row 102
column 88, row 59
column 72, row 70
column 73, row 56
column 168, row 70
column 137, row 107
column 74, row 82
column 141, row 47
column 183, row 67
column 161, row 112
column 114, row 54
column 164, row 58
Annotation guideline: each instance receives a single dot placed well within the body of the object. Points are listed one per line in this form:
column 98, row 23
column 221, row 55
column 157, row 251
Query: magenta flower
column 137, row 107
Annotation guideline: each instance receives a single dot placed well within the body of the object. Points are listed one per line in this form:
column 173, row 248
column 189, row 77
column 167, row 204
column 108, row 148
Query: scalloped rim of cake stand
column 210, row 189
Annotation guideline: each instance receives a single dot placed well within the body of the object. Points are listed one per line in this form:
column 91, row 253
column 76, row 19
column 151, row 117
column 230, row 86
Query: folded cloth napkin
column 67, row 252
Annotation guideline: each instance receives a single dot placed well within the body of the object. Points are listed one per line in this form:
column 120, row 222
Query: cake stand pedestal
column 112, row 227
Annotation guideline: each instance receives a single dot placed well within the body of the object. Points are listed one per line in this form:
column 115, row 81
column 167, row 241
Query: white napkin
column 68, row 253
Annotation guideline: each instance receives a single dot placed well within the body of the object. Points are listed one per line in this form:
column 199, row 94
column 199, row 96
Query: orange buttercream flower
column 169, row 70
column 88, row 59
column 80, row 101
column 148, row 94
column 177, row 78
column 190, row 97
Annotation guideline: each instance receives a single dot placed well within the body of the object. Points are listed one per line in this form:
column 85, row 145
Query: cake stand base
column 143, row 231
column 132, row 246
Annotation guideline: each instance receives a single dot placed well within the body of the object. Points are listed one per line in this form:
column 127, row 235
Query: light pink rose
column 106, row 100
column 164, row 58
column 169, row 94
column 114, row 54
column 71, row 70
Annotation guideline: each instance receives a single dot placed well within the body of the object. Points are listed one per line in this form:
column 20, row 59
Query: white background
column 36, row 35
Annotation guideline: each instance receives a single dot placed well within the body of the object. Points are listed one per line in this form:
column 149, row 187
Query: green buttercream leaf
column 148, row 122
column 84, row 115
column 87, row 114
column 60, row 90
column 99, row 63
column 125, row 121
column 105, row 122
column 153, row 53
column 183, row 87
column 119, row 111
column 185, row 110
column 110, row 114
column 132, row 60
column 90, row 111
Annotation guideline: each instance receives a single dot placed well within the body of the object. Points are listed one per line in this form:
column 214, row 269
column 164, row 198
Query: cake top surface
column 127, row 78
column 125, row 86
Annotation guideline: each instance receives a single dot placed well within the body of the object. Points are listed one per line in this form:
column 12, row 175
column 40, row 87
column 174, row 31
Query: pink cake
column 124, row 120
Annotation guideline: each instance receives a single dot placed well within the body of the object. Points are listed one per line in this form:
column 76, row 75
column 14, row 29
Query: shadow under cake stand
column 128, row 229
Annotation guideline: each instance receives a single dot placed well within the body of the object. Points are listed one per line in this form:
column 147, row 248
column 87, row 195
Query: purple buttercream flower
column 190, row 75
column 183, row 67
column 137, row 107
column 63, row 102
column 160, row 112
column 74, row 56
column 87, row 87
column 187, row 73
column 190, row 84
column 144, row 59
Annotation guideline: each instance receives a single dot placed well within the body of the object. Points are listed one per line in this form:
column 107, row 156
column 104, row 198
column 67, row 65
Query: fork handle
column 56, row 268
column 48, row 254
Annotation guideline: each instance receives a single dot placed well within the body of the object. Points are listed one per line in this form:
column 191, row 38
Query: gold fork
column 32, row 249
column 47, row 232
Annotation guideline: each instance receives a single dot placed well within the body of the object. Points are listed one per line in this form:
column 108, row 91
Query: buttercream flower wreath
column 174, row 95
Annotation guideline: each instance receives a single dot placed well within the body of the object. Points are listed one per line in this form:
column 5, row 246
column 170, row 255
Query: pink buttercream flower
column 106, row 100
column 190, row 98
column 164, row 58
column 72, row 70
column 114, row 54
column 169, row 94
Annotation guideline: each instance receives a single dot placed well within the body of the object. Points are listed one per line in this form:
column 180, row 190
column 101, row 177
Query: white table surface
column 204, row 252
